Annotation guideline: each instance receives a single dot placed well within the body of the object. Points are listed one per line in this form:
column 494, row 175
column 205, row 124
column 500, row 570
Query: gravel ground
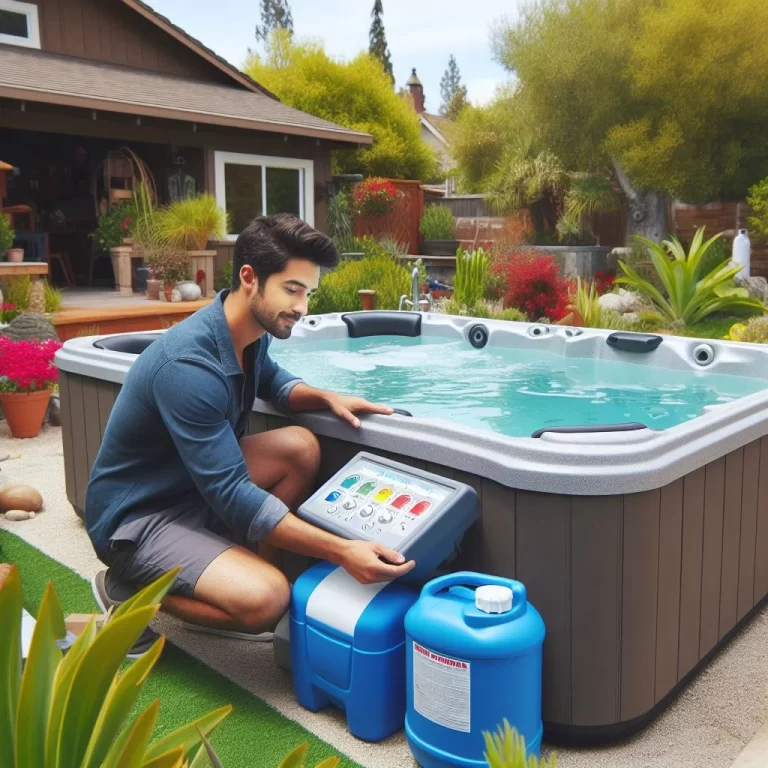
column 707, row 727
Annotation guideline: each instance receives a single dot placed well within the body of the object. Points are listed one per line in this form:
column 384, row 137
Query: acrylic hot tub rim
column 597, row 463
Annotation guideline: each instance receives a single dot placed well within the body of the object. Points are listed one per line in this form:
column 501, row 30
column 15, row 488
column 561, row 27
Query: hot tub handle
column 634, row 342
column 629, row 426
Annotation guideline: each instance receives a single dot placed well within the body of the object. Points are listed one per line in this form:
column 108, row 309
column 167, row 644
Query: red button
column 420, row 508
column 401, row 501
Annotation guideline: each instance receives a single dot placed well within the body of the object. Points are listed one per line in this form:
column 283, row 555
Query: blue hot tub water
column 510, row 391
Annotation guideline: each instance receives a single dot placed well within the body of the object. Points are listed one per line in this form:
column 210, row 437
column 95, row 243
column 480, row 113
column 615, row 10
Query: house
column 91, row 91
column 435, row 129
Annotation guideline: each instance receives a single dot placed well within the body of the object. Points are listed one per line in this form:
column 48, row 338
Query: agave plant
column 471, row 276
column 690, row 295
column 506, row 749
column 67, row 710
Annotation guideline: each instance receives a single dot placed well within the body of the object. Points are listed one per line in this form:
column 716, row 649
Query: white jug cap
column 493, row 599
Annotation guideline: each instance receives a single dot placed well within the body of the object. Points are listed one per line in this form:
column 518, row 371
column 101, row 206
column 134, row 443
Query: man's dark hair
column 268, row 242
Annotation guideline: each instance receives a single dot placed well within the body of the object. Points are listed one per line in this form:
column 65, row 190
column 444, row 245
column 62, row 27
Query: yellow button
column 383, row 494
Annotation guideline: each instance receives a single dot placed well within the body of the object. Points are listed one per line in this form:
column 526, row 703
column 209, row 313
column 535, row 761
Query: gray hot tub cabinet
column 638, row 589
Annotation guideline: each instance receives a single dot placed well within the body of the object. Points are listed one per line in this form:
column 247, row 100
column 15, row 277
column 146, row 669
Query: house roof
column 37, row 76
column 440, row 126
column 195, row 45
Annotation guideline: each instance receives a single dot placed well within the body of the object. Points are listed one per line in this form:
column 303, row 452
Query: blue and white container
column 474, row 657
column 348, row 648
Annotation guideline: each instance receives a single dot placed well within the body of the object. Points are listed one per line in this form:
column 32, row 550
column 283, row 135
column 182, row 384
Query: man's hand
column 360, row 559
column 346, row 406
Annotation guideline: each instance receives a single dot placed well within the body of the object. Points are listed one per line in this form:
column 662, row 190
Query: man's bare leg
column 241, row 590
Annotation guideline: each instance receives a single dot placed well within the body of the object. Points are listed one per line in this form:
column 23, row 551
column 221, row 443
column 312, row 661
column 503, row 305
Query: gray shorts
column 188, row 535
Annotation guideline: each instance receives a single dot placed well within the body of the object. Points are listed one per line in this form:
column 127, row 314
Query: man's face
column 283, row 299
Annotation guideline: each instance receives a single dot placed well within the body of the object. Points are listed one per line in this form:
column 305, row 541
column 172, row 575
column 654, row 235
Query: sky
column 420, row 33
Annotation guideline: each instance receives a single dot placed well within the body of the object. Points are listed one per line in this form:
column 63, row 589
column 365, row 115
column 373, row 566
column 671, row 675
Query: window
column 19, row 24
column 248, row 186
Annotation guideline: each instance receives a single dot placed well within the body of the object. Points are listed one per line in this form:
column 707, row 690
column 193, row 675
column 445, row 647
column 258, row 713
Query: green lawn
column 254, row 736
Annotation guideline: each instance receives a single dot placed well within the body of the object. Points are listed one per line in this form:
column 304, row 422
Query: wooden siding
column 109, row 31
column 635, row 590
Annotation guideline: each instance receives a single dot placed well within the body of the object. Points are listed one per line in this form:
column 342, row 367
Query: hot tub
column 622, row 478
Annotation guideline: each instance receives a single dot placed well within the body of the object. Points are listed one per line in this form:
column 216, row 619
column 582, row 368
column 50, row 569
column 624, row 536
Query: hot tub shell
column 640, row 549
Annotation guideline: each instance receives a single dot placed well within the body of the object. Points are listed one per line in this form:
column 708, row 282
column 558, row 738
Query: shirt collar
column 223, row 336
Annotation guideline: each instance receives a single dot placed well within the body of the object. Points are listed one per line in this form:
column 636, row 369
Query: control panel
column 417, row 513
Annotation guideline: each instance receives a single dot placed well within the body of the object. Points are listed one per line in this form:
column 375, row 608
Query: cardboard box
column 77, row 622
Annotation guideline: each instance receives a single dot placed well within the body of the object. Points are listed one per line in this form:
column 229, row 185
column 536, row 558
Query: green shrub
column 437, row 223
column 587, row 301
column 223, row 277
column 115, row 225
column 189, row 224
column 757, row 200
column 506, row 749
column 338, row 290
column 52, row 298
column 471, row 276
column 691, row 294
column 339, row 220
column 754, row 331
column 512, row 314
column 392, row 246
column 16, row 292
column 7, row 235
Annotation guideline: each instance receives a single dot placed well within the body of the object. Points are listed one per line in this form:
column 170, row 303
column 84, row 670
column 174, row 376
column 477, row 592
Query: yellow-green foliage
column 338, row 291
column 754, row 331
column 480, row 309
column 471, row 276
column 190, row 223
column 52, row 298
column 506, row 749
column 587, row 301
column 356, row 94
column 642, row 82
column 16, row 291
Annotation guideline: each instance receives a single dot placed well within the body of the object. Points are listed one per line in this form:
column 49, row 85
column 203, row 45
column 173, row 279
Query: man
column 175, row 482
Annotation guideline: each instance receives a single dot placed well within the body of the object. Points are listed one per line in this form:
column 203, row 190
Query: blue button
column 333, row 496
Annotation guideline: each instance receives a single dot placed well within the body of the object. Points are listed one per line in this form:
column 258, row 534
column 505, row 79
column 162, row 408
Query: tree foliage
column 378, row 40
column 454, row 94
column 275, row 14
column 676, row 91
column 356, row 94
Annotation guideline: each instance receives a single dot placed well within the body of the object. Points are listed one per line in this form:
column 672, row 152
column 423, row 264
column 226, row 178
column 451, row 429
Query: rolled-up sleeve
column 193, row 399
column 275, row 383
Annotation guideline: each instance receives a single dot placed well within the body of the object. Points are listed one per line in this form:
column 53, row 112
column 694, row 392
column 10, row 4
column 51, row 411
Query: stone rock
column 621, row 302
column 29, row 325
column 757, row 286
column 189, row 291
column 17, row 515
column 54, row 411
column 4, row 456
column 20, row 497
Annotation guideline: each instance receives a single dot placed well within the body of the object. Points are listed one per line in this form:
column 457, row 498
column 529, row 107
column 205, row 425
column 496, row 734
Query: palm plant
column 690, row 295
column 588, row 194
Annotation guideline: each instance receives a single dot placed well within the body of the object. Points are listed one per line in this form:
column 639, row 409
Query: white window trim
column 307, row 205
column 33, row 24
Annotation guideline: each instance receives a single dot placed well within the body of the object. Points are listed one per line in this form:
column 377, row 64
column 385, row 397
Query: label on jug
column 441, row 688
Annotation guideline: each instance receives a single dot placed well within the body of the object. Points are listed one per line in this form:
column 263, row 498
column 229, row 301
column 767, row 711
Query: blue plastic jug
column 473, row 658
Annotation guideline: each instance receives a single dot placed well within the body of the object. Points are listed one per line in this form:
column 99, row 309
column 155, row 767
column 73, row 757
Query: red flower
column 127, row 219
column 27, row 366
column 124, row 227
column 376, row 197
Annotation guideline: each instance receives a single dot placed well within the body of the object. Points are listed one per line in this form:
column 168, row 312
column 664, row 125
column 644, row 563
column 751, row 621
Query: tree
column 356, row 94
column 453, row 92
column 378, row 40
column 673, row 94
column 275, row 14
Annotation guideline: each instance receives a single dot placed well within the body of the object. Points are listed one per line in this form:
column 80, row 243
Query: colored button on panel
column 401, row 501
column 420, row 508
column 383, row 495
column 350, row 481
column 333, row 496
column 366, row 488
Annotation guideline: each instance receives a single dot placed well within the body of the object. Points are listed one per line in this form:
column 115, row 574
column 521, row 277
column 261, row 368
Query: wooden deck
column 88, row 313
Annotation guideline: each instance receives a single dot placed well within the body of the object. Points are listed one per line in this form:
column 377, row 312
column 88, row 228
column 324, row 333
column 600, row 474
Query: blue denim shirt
column 173, row 434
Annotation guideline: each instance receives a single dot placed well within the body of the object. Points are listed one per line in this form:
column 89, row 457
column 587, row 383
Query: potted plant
column 188, row 225
column 27, row 376
column 438, row 227
column 171, row 266
column 7, row 236
column 153, row 284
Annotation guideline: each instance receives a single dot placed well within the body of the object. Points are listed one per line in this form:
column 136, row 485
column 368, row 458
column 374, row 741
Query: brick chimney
column 417, row 91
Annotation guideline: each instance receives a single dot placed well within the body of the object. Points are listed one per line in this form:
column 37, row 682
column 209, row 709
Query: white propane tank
column 740, row 252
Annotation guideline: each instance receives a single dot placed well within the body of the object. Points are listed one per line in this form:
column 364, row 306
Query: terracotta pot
column 25, row 412
column 153, row 289
column 168, row 287
column 368, row 298
column 16, row 254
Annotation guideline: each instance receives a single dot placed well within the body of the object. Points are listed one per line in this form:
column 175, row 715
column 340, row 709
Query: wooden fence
column 403, row 222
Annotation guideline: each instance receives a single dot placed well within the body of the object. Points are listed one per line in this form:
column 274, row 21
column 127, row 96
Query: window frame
column 305, row 167
column 33, row 24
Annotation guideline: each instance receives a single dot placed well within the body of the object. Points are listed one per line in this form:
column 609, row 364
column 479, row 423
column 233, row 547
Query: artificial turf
column 253, row 736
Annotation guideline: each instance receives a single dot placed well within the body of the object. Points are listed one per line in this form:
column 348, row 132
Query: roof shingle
column 35, row 75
